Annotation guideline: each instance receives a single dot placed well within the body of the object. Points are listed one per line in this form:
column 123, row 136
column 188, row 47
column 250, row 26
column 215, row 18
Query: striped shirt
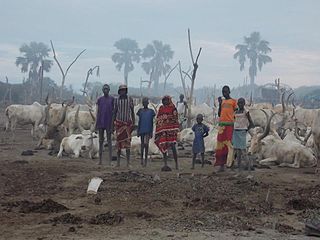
column 123, row 108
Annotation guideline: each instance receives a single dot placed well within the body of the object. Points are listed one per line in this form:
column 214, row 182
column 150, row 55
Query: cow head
column 88, row 138
column 256, row 143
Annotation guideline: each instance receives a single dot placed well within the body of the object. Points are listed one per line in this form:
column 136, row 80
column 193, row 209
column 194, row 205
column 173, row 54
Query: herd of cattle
column 285, row 134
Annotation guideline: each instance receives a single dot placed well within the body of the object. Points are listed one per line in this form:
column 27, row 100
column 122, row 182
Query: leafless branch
column 75, row 60
column 56, row 60
column 190, row 48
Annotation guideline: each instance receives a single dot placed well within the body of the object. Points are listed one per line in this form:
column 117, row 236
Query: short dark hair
column 105, row 85
column 241, row 99
column 226, row 87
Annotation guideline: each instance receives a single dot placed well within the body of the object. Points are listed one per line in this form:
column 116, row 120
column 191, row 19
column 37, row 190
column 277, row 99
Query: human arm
column 138, row 114
column 206, row 131
column 114, row 114
column 251, row 124
column 219, row 108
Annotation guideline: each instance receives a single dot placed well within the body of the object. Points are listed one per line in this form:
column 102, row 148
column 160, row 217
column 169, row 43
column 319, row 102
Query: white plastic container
column 94, row 185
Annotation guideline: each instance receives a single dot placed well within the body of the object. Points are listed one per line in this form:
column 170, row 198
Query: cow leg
column 268, row 161
column 295, row 164
column 60, row 150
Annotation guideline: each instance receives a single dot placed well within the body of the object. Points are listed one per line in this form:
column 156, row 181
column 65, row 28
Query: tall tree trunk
column 62, row 86
column 252, row 86
column 156, row 83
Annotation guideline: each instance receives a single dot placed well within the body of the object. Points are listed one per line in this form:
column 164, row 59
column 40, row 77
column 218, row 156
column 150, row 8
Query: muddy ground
column 42, row 197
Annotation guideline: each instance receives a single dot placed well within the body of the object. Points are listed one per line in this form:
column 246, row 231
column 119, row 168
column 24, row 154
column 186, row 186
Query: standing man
column 227, row 107
column 104, row 120
column 182, row 107
column 124, row 121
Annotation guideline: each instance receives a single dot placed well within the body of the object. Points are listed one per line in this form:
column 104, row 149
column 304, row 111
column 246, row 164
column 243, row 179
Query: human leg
column 142, row 138
column 175, row 155
column 109, row 146
column 193, row 160
column 202, row 159
column 101, row 140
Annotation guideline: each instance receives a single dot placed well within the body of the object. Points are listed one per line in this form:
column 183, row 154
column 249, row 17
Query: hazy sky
column 291, row 27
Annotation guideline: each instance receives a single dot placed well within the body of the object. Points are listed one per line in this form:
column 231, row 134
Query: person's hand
column 220, row 100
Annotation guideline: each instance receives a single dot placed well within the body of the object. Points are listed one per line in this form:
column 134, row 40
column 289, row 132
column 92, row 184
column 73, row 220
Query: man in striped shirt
column 124, row 121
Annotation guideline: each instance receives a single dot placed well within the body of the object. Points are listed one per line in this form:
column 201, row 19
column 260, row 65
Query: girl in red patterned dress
column 167, row 128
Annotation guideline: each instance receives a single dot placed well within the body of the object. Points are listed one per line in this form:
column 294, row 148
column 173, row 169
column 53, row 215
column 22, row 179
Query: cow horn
column 92, row 115
column 47, row 110
column 296, row 131
column 63, row 117
column 72, row 101
column 267, row 129
column 288, row 98
column 307, row 138
column 282, row 102
column 155, row 108
column 47, row 99
column 76, row 120
column 293, row 104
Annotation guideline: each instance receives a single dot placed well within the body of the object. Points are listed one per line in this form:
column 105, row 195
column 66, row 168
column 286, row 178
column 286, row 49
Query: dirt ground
column 42, row 197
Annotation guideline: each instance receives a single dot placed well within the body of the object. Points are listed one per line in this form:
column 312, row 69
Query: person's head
column 145, row 102
column 166, row 100
column 241, row 103
column 181, row 97
column 123, row 90
column 106, row 89
column 226, row 91
column 199, row 118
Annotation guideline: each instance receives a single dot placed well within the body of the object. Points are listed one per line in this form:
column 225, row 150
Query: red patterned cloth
column 223, row 142
column 123, row 133
column 167, row 126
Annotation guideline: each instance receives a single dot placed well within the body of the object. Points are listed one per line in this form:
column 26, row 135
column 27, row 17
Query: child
column 167, row 128
column 200, row 131
column 242, row 124
column 145, row 128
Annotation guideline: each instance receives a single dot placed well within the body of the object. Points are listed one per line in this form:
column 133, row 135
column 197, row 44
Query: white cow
column 81, row 120
column 18, row 114
column 316, row 135
column 79, row 144
column 272, row 149
column 186, row 136
column 136, row 147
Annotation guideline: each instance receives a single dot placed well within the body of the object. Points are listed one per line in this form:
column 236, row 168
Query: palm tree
column 158, row 54
column 255, row 49
column 34, row 56
column 129, row 53
column 34, row 60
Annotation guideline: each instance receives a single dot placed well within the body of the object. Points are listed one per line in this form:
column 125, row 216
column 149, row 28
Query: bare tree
column 168, row 75
column 90, row 72
column 64, row 73
column 193, row 76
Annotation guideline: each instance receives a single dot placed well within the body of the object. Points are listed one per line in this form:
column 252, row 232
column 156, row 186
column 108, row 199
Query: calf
column 79, row 144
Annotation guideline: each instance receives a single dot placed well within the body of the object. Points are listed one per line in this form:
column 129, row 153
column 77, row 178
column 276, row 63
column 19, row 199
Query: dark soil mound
column 67, row 218
column 45, row 206
column 109, row 218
